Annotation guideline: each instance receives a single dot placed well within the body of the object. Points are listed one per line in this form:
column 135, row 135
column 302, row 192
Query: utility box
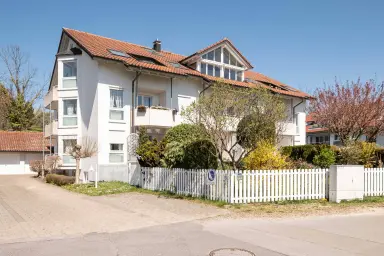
column 346, row 182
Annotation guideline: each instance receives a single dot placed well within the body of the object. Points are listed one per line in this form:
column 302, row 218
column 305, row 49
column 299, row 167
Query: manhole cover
column 231, row 252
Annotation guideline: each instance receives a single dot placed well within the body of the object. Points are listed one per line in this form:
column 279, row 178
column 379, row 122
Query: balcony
column 50, row 129
column 154, row 117
column 51, row 98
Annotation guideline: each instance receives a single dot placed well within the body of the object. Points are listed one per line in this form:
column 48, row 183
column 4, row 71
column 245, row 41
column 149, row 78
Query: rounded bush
column 325, row 158
column 184, row 133
column 200, row 154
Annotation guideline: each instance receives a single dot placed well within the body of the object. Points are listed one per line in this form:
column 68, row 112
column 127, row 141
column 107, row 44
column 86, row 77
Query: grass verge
column 272, row 209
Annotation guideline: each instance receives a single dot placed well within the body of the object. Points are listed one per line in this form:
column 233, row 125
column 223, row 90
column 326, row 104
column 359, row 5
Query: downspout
column 138, row 73
column 171, row 91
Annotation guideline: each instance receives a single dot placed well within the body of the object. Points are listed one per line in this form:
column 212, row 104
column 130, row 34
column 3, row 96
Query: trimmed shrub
column 59, row 180
column 303, row 152
column 362, row 153
column 325, row 158
column 173, row 155
column 200, row 154
column 265, row 156
column 184, row 133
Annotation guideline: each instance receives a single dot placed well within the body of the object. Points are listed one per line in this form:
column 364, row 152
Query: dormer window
column 221, row 63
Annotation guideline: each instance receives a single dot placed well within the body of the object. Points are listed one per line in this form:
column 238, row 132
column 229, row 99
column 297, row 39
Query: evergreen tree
column 5, row 101
column 20, row 116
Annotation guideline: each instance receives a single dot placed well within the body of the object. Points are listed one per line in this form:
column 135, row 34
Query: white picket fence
column 187, row 182
column 373, row 181
column 239, row 186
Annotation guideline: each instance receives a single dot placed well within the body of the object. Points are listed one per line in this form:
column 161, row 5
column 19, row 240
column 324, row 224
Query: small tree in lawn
column 86, row 148
column 236, row 119
column 350, row 110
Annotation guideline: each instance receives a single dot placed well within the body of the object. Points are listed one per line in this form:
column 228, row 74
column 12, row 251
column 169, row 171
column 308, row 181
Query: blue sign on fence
column 211, row 177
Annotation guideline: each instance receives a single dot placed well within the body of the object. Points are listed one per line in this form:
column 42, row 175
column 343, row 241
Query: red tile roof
column 21, row 141
column 99, row 46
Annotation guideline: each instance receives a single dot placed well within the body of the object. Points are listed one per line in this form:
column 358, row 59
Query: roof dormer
column 221, row 59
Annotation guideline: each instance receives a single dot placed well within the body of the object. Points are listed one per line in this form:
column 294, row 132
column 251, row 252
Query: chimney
column 157, row 45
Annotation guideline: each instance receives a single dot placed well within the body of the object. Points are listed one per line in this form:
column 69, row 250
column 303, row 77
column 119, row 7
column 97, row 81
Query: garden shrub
column 325, row 158
column 59, row 180
column 200, row 154
column 37, row 166
column 150, row 153
column 186, row 146
column 265, row 156
column 303, row 152
column 362, row 153
column 184, row 133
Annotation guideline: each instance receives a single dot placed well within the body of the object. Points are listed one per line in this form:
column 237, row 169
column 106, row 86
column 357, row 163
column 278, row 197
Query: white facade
column 91, row 116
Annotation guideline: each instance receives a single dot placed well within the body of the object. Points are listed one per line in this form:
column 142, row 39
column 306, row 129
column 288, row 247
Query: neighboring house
column 98, row 83
column 320, row 135
column 17, row 149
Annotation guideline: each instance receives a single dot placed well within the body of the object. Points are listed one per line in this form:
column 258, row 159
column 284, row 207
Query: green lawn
column 104, row 188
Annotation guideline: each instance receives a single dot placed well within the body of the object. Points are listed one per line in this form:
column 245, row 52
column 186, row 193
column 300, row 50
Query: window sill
column 118, row 121
column 68, row 127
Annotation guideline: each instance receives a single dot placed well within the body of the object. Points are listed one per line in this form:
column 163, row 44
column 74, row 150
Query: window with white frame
column 144, row 100
column 70, row 112
column 69, row 74
column 116, row 111
column 68, row 144
column 116, row 153
column 226, row 65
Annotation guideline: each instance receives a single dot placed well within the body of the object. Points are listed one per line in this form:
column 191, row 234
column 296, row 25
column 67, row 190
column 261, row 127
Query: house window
column 337, row 138
column 116, row 111
column 144, row 100
column 70, row 112
column 116, row 153
column 68, row 145
column 222, row 59
column 69, row 74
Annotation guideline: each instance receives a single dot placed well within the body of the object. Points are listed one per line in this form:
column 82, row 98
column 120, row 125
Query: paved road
column 138, row 225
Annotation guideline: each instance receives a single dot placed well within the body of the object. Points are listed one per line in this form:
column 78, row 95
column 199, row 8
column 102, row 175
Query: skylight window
column 119, row 53
column 176, row 65
column 148, row 60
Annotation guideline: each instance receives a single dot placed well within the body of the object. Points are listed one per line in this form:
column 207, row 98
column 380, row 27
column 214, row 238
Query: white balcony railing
column 50, row 129
column 154, row 117
column 50, row 97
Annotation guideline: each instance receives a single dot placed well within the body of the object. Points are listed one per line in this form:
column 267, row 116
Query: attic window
column 148, row 60
column 153, row 51
column 119, row 53
column 176, row 65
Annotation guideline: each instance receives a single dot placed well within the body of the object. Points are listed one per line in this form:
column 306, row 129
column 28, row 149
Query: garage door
column 10, row 163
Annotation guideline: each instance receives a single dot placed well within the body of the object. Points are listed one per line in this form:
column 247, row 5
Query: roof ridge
column 118, row 40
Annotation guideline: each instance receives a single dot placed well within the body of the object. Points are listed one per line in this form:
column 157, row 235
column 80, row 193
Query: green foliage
column 59, row 180
column 265, row 156
column 174, row 155
column 184, row 133
column 255, row 128
column 5, row 102
column 20, row 115
column 150, row 153
column 143, row 136
column 325, row 158
column 187, row 147
column 362, row 153
column 303, row 152
column 200, row 154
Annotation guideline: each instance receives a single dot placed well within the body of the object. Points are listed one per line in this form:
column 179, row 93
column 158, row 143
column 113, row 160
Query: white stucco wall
column 17, row 162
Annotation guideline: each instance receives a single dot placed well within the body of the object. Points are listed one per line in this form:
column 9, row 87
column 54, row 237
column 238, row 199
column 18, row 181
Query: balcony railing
column 50, row 97
column 154, row 116
column 50, row 129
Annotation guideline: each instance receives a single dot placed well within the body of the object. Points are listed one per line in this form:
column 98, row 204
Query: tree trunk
column 77, row 175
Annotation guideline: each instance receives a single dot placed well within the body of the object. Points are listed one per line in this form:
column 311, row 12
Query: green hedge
column 59, row 180
column 303, row 152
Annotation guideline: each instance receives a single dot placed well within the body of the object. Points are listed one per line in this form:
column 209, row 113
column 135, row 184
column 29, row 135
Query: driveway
column 32, row 210
column 39, row 219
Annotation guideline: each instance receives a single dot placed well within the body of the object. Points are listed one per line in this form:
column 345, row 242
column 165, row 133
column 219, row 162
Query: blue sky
column 301, row 43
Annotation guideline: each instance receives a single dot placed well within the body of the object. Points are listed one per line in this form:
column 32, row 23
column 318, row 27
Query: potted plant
column 141, row 108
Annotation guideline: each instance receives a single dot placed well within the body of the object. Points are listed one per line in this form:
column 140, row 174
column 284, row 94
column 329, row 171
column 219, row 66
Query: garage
column 18, row 149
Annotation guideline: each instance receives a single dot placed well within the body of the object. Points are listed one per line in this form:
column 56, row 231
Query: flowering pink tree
column 350, row 110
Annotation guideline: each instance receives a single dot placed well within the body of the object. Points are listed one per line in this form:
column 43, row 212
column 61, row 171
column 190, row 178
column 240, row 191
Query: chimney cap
column 157, row 45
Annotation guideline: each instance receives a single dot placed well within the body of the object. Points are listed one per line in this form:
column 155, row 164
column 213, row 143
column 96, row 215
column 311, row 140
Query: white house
column 17, row 149
column 98, row 84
